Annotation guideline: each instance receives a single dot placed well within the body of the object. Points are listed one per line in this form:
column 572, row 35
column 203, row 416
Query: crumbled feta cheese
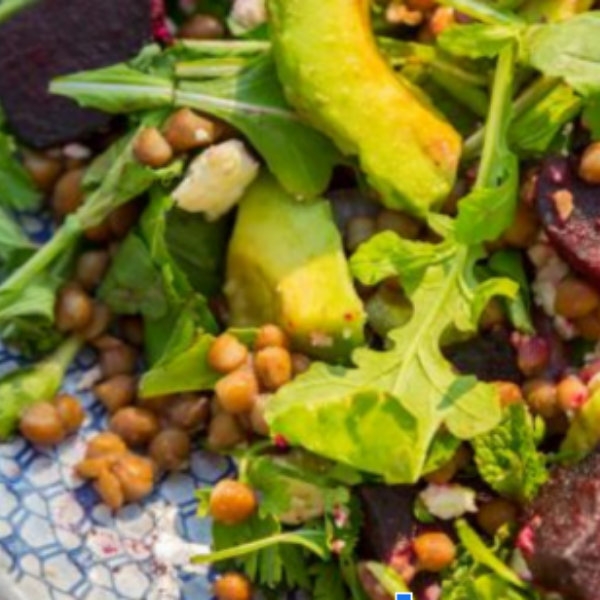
column 448, row 501
column 249, row 14
column 217, row 180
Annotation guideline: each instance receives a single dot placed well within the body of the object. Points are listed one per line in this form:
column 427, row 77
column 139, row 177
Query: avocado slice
column 286, row 265
column 334, row 75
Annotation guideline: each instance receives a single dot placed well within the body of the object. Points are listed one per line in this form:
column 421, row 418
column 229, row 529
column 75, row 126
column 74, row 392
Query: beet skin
column 58, row 37
column 561, row 538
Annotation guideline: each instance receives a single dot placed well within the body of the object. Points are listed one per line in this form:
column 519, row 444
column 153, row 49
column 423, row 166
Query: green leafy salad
column 353, row 246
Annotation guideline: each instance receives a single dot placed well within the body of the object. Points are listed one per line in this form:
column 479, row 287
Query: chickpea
column 202, row 27
column 122, row 219
column 105, row 443
column 171, row 449
column 442, row 18
column 91, row 268
column 533, row 355
column 237, row 391
column 101, row 318
column 43, row 169
column 447, row 472
column 136, row 476
column 232, row 502
column 68, row 193
column 492, row 316
column 132, row 329
column 117, row 392
column 227, row 354
column 300, row 364
column 189, row 412
column 524, row 229
column 257, row 415
column 70, row 411
column 575, row 298
column 224, row 432
column 589, row 168
column 100, row 233
column 232, row 586
column 400, row 223
column 185, row 130
column 152, row 149
column 495, row 514
column 358, row 231
column 541, row 396
column 41, row 424
column 159, row 405
column 136, row 426
column 510, row 393
column 271, row 335
column 109, row 489
column 273, row 367
column 589, row 327
column 434, row 551
column 571, row 393
column 74, row 309
column 118, row 360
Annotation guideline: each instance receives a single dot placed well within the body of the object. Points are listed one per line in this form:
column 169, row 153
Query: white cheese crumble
column 249, row 14
column 448, row 501
column 216, row 180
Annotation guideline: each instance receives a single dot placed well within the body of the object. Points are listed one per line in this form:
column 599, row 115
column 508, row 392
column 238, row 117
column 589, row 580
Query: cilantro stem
column 483, row 12
column 313, row 541
column 499, row 117
column 538, row 90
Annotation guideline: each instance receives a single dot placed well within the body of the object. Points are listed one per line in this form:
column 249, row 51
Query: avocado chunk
column 335, row 77
column 286, row 266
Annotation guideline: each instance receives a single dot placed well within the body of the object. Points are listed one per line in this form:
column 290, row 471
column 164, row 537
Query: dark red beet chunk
column 57, row 37
column 561, row 539
column 490, row 357
column 575, row 233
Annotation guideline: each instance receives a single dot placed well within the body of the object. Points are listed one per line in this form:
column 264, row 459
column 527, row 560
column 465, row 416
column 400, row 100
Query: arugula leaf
column 583, row 435
column 591, row 117
column 25, row 387
column 484, row 555
column 489, row 209
column 509, row 263
column 568, row 50
column 252, row 101
column 543, row 11
column 480, row 10
column 479, row 40
column 393, row 403
column 507, row 457
column 533, row 132
column 17, row 190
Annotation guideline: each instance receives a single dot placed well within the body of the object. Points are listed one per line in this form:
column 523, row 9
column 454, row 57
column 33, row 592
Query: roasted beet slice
column 56, row 37
column 570, row 212
column 490, row 357
column 389, row 524
column 561, row 538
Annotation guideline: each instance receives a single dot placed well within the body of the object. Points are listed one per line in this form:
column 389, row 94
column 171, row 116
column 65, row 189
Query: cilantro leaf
column 382, row 415
column 479, row 40
column 591, row 116
column 328, row 582
column 508, row 459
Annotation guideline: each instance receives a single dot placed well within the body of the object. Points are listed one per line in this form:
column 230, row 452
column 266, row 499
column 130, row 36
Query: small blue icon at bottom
column 404, row 596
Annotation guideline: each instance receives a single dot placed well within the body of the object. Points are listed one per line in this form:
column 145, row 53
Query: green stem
column 225, row 48
column 470, row 97
column 64, row 355
column 483, row 12
column 41, row 260
column 210, row 68
column 297, row 538
column 527, row 100
column 498, row 120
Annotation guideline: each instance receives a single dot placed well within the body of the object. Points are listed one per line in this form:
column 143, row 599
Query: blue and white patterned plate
column 58, row 542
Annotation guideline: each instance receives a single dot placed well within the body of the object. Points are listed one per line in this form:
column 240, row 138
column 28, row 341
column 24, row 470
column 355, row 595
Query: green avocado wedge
column 334, row 75
column 286, row 265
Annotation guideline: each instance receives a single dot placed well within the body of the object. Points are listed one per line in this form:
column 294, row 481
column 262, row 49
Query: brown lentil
column 152, row 149
column 74, row 309
column 171, row 449
column 224, row 432
column 44, row 170
column 202, row 27
column 135, row 426
column 185, row 130
column 91, row 268
column 495, row 514
column 575, row 299
column 117, row 392
column 68, row 193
